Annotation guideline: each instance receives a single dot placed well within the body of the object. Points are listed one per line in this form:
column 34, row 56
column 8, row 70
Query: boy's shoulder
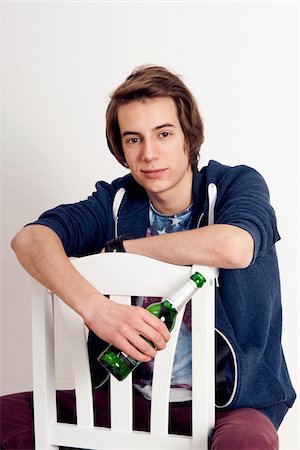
column 222, row 174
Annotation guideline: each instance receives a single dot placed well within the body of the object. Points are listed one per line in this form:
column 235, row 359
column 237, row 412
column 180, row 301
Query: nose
column 150, row 150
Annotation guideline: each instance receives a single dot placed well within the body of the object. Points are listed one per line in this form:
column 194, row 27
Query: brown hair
column 151, row 82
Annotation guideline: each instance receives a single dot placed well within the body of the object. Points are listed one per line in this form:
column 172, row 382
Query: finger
column 145, row 339
column 131, row 350
column 141, row 321
column 157, row 325
column 154, row 336
column 143, row 345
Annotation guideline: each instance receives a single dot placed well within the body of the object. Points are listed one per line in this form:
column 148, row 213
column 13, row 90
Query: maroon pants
column 239, row 429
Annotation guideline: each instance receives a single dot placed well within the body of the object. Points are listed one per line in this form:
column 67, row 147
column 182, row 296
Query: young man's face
column 155, row 150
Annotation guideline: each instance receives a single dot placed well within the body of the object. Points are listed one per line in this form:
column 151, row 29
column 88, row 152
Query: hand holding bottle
column 124, row 326
column 120, row 363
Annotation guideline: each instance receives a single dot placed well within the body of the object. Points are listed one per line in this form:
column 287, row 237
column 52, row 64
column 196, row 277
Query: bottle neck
column 181, row 297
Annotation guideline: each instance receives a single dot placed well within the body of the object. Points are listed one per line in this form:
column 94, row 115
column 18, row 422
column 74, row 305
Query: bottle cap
column 198, row 279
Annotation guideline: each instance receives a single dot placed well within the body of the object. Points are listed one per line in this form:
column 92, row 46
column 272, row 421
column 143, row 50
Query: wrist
column 117, row 244
column 89, row 309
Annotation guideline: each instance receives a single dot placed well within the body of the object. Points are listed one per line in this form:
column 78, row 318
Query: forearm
column 223, row 246
column 41, row 253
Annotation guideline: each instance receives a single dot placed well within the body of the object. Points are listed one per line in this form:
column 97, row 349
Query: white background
column 61, row 61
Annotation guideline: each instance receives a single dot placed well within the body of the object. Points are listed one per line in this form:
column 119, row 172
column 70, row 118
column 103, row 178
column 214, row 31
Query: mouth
column 153, row 173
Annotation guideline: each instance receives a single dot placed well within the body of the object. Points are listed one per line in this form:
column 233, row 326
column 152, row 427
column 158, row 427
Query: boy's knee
column 16, row 429
column 244, row 429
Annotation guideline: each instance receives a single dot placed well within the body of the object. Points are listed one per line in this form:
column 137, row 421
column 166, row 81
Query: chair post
column 44, row 397
column 76, row 332
column 203, row 354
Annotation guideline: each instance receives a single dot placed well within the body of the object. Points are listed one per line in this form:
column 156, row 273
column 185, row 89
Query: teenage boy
column 154, row 128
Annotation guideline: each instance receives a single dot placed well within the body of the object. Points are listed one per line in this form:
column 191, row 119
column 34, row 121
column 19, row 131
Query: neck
column 168, row 208
column 176, row 199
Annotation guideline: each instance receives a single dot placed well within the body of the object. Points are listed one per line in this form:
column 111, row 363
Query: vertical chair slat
column 83, row 387
column 121, row 404
column 121, row 391
column 44, row 397
column 161, row 381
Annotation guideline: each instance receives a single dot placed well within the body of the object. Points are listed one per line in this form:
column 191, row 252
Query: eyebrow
column 126, row 133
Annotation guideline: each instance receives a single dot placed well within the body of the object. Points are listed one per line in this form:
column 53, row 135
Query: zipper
column 200, row 220
column 236, row 372
column 212, row 198
column 116, row 206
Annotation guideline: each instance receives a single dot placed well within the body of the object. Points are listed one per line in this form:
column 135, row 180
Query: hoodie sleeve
column 82, row 227
column 244, row 201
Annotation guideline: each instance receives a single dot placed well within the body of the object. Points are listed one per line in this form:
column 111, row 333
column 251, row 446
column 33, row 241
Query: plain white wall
column 61, row 61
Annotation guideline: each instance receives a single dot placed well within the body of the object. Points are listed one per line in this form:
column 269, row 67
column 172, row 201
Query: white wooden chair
column 122, row 275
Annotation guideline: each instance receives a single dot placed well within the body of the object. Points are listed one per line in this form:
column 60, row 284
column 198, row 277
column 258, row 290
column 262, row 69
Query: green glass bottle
column 117, row 362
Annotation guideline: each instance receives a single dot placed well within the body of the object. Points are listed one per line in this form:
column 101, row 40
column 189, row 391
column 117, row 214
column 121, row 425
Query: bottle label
column 127, row 359
column 181, row 297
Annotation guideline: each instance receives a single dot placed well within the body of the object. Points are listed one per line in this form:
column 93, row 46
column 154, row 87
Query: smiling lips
column 153, row 173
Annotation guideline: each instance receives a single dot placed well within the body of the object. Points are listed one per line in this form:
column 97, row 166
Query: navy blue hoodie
column 251, row 369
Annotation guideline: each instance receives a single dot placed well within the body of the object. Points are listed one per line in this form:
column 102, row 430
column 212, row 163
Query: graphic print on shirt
column 182, row 367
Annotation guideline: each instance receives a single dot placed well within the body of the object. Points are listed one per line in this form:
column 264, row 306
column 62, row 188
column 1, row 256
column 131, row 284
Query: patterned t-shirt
column 181, row 379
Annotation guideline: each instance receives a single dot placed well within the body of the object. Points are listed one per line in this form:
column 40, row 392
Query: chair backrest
column 121, row 276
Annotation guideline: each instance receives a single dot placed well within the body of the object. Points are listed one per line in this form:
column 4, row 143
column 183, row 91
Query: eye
column 133, row 140
column 165, row 134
